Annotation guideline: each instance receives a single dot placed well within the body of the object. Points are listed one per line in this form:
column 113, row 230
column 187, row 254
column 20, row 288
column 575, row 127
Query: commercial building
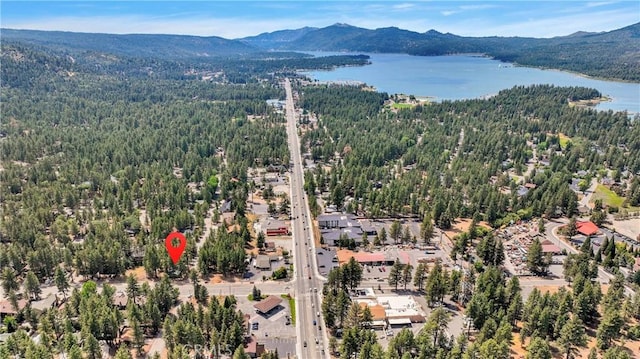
column 268, row 304
column 391, row 310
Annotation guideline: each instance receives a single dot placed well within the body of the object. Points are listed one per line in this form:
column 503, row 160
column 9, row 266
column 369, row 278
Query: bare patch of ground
column 216, row 279
column 138, row 272
column 628, row 227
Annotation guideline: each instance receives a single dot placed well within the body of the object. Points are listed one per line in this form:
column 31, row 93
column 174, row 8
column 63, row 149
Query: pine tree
column 395, row 231
column 9, row 281
column 571, row 228
column 61, row 281
column 538, row 349
column 138, row 338
column 365, row 240
column 536, row 261
column 426, row 229
column 395, row 274
column 32, row 286
column 406, row 275
column 586, row 247
column 572, row 335
column 420, row 276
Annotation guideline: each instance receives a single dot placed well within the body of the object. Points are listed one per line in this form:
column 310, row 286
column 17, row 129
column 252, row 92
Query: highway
column 307, row 282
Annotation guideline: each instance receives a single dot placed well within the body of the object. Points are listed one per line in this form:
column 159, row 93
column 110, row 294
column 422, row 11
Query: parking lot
column 272, row 329
column 325, row 260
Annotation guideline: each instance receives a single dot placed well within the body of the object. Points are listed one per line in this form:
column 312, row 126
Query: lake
column 465, row 77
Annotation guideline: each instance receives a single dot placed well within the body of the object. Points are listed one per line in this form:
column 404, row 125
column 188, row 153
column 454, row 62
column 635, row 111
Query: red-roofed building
column 587, row 228
column 363, row 257
column 549, row 247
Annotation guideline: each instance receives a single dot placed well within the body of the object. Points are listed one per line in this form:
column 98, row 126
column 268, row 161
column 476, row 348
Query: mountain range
column 614, row 54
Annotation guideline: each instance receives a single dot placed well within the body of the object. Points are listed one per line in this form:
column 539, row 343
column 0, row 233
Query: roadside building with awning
column 268, row 304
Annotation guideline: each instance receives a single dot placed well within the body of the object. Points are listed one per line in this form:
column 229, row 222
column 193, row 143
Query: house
column 120, row 300
column 6, row 308
column 584, row 210
column 549, row 247
column 51, row 301
column 262, row 262
column 252, row 348
column 268, row 304
column 226, row 206
column 275, row 168
column 367, row 227
column 608, row 181
column 270, row 246
column 522, row 191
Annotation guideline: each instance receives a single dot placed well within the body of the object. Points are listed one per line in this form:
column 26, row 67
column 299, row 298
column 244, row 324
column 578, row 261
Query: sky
column 235, row 19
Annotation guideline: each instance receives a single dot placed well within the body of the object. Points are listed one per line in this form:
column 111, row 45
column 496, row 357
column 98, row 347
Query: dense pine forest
column 407, row 161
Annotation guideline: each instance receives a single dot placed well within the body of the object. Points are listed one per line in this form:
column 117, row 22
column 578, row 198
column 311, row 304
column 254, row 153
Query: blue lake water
column 466, row 77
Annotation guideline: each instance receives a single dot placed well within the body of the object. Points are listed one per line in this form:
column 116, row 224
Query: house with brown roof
column 252, row 348
column 549, row 247
column 6, row 308
column 120, row 300
column 270, row 247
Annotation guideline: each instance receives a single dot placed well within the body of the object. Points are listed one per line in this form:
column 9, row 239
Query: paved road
column 311, row 338
column 589, row 192
column 185, row 288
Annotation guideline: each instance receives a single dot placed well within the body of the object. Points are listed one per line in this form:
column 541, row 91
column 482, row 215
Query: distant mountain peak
column 581, row 33
column 433, row 32
column 342, row 24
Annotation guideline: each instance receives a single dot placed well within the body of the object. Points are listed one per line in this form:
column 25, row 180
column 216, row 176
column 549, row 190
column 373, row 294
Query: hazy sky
column 232, row 19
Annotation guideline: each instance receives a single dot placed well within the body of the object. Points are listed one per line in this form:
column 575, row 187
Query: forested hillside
column 614, row 54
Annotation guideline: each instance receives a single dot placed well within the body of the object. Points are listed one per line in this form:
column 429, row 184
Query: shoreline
column 485, row 55
column 579, row 74
column 590, row 102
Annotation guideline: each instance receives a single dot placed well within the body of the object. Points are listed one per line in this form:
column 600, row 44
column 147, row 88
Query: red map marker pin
column 175, row 252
